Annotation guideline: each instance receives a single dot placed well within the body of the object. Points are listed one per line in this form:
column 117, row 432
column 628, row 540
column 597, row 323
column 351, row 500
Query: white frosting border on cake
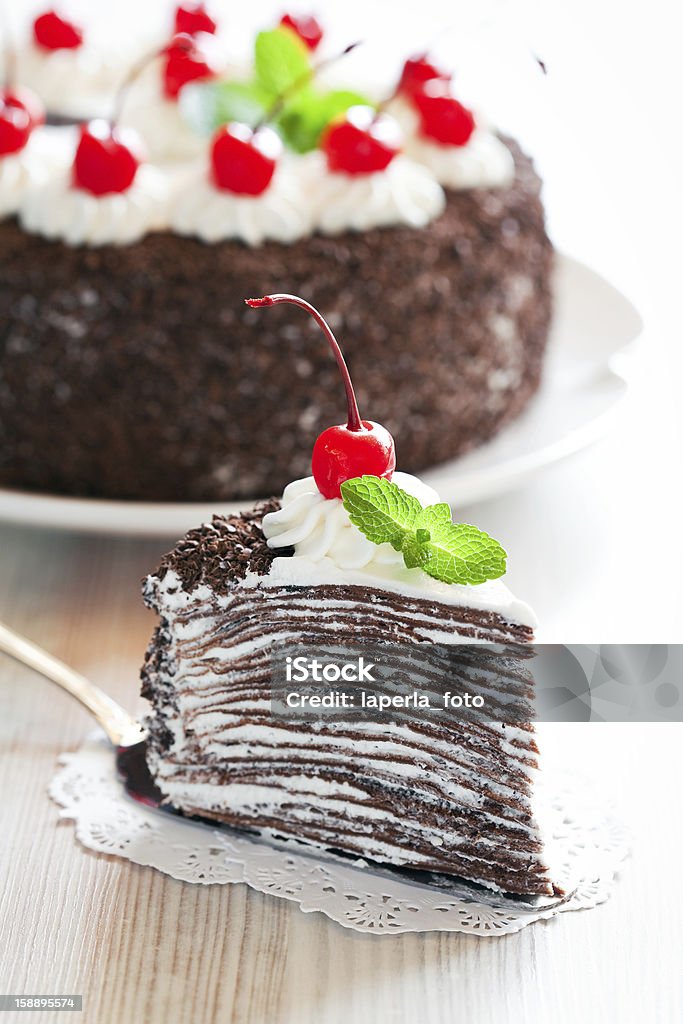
column 279, row 214
column 483, row 162
column 23, row 171
column 304, row 197
column 403, row 193
column 60, row 210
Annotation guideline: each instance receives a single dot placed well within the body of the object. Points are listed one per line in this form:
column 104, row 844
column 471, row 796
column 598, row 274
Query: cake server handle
column 121, row 728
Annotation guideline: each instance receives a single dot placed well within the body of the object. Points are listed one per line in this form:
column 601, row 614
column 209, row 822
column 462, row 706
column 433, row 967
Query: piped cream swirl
column 318, row 527
column 60, row 210
column 18, row 173
column 329, row 550
column 403, row 193
column 279, row 214
column 483, row 162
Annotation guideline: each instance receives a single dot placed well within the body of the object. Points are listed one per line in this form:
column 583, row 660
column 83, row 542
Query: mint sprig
column 281, row 60
column 427, row 537
column 282, row 69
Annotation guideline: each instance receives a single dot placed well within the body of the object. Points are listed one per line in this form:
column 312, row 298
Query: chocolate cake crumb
column 224, row 550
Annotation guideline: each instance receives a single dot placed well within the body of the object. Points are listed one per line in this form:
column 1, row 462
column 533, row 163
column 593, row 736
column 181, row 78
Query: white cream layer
column 58, row 210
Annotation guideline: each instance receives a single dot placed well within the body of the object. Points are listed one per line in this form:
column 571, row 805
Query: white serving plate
column 583, row 386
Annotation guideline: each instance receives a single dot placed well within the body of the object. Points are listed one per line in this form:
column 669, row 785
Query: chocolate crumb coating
column 137, row 372
column 224, row 550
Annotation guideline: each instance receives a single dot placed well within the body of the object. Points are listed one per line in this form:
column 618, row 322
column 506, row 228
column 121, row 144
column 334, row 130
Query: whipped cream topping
column 329, row 549
column 20, row 172
column 279, row 214
column 403, row 193
column 32, row 166
column 77, row 83
column 483, row 162
column 160, row 122
column 59, row 210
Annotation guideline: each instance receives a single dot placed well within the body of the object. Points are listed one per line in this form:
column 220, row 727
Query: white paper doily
column 108, row 821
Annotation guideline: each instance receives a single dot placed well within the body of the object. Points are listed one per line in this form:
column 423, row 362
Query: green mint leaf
column 206, row 105
column 415, row 554
column 281, row 60
column 459, row 553
column 435, row 514
column 309, row 112
column 427, row 537
column 381, row 510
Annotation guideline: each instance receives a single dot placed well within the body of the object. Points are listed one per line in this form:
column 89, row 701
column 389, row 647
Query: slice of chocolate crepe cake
column 354, row 554
column 453, row 797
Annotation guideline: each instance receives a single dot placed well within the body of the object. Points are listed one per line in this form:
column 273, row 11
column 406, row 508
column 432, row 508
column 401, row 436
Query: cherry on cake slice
column 355, row 553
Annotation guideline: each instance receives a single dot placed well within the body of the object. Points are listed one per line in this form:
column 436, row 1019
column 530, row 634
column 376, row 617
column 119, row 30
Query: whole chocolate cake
column 129, row 368
column 344, row 558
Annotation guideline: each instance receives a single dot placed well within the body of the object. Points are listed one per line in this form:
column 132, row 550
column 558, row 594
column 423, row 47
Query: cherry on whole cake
column 306, row 27
column 417, row 71
column 243, row 159
column 186, row 61
column 54, row 31
column 191, row 17
column 442, row 117
column 107, row 158
column 16, row 124
column 346, row 450
column 361, row 141
column 20, row 111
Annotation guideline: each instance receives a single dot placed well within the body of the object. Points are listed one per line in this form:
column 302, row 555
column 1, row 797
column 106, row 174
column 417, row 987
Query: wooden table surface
column 142, row 947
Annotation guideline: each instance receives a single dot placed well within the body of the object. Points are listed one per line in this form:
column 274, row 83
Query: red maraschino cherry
column 192, row 18
column 52, row 31
column 20, row 112
column 442, row 117
column 243, row 159
column 346, row 451
column 107, row 158
column 15, row 127
column 20, row 96
column 361, row 141
column 306, row 27
column 186, row 61
column 417, row 71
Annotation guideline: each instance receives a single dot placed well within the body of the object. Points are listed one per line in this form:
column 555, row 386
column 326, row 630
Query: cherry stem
column 131, row 78
column 285, row 96
column 354, row 421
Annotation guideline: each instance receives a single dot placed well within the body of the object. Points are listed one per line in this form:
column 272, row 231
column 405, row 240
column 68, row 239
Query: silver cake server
column 129, row 739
